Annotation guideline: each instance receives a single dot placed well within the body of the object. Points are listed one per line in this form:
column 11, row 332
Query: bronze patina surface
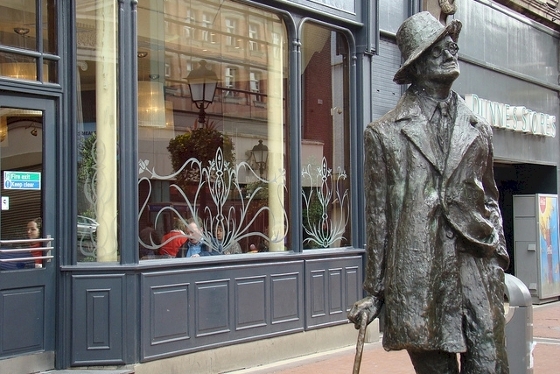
column 435, row 242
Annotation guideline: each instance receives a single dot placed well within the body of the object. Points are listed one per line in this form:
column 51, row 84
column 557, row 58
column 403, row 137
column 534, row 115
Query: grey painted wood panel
column 353, row 284
column 220, row 305
column 98, row 319
column 170, row 314
column 212, row 308
column 22, row 319
column 251, row 303
column 285, row 300
column 332, row 286
column 318, row 290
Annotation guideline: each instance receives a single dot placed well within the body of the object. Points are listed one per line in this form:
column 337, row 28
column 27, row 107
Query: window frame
column 293, row 99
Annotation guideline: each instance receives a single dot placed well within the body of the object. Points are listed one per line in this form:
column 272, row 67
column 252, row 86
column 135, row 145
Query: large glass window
column 212, row 130
column 96, row 23
column 325, row 142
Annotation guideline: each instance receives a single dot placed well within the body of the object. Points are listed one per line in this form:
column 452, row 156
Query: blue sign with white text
column 22, row 180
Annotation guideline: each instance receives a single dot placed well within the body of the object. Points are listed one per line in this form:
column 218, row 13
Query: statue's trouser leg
column 432, row 362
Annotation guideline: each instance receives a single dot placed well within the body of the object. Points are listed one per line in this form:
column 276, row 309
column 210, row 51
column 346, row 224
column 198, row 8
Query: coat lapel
column 415, row 128
column 416, row 131
column 416, row 125
column 464, row 133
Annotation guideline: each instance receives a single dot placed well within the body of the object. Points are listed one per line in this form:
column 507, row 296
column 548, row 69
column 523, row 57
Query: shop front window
column 32, row 48
column 211, row 153
column 325, row 138
column 97, row 125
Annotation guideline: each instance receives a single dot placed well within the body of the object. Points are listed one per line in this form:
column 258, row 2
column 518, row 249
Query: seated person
column 263, row 245
column 173, row 240
column 149, row 238
column 253, row 249
column 218, row 245
column 195, row 245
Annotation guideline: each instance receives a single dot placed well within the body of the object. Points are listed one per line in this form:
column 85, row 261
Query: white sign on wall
column 514, row 118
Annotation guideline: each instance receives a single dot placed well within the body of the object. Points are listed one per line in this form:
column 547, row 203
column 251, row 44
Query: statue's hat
column 416, row 35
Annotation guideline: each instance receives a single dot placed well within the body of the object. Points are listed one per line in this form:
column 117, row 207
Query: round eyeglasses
column 452, row 48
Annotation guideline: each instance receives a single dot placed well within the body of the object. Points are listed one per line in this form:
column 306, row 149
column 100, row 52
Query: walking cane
column 360, row 343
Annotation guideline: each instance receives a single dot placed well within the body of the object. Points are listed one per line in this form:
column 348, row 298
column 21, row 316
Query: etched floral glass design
column 228, row 206
column 325, row 206
column 212, row 172
column 325, row 147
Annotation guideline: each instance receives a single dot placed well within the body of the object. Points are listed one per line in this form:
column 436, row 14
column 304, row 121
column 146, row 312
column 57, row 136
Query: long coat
column 434, row 237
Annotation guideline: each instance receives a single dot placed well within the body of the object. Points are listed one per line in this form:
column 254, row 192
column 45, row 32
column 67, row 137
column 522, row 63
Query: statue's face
column 440, row 62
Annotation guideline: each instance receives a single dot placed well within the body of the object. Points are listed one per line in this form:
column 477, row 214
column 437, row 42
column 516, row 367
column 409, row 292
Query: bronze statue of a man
column 435, row 242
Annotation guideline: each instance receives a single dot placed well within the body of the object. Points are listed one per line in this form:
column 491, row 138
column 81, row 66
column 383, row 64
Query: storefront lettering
column 514, row 118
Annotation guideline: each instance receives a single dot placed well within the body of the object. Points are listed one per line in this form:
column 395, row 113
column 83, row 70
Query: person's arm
column 375, row 177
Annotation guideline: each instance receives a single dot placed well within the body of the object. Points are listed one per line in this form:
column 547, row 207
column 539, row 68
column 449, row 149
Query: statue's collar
column 417, row 103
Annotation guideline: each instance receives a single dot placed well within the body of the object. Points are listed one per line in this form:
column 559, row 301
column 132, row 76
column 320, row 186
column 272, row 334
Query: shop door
column 27, row 246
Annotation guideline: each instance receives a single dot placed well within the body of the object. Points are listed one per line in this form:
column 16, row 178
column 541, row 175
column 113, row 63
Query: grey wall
column 510, row 145
column 392, row 13
column 497, row 36
column 507, row 59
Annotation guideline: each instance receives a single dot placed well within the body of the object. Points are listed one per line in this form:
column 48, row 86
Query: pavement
column 375, row 360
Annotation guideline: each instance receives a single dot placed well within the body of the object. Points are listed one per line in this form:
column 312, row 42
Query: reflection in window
column 231, row 30
column 229, row 82
column 254, row 81
column 206, row 24
column 253, row 37
column 326, row 140
column 97, row 130
column 276, row 41
column 22, row 32
column 255, row 86
column 203, row 188
column 187, row 30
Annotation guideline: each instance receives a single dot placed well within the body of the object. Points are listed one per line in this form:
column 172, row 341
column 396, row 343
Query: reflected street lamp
column 202, row 85
column 259, row 154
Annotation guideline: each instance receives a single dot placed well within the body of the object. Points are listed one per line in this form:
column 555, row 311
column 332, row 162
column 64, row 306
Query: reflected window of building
column 231, row 31
column 229, row 81
column 253, row 37
column 325, row 138
column 276, row 42
column 211, row 158
column 29, row 28
column 206, row 27
column 97, row 125
column 188, row 30
column 255, row 85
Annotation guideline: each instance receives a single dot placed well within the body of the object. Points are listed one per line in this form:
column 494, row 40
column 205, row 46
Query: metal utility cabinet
column 536, row 245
